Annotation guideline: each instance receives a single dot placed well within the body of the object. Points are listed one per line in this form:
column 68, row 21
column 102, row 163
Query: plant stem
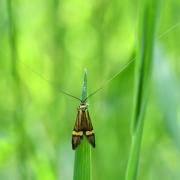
column 146, row 31
column 82, row 164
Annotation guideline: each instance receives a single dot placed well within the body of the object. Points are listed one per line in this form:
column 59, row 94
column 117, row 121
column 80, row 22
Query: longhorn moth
column 83, row 125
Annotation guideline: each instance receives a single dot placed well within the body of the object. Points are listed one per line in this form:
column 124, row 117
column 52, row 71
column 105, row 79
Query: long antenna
column 68, row 94
column 50, row 82
column 109, row 80
column 63, row 92
column 106, row 83
column 125, row 65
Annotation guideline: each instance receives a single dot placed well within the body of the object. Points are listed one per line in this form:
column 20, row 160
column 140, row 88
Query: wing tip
column 76, row 140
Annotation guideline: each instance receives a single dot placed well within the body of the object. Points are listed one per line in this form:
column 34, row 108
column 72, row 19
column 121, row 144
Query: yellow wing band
column 88, row 133
column 79, row 133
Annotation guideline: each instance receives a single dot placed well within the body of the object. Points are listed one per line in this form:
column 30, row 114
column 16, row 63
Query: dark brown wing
column 89, row 130
column 77, row 134
column 82, row 126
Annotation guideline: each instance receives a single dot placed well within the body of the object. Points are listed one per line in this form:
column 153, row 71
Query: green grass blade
column 84, row 87
column 146, row 34
column 82, row 164
column 19, row 113
column 144, row 52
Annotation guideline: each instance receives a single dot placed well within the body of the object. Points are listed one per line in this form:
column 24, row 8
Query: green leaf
column 143, row 66
column 82, row 164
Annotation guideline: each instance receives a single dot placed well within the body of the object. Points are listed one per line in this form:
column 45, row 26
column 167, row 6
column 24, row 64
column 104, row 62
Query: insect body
column 83, row 127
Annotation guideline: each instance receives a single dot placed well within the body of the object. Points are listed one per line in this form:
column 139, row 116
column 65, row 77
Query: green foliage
column 143, row 67
column 82, row 164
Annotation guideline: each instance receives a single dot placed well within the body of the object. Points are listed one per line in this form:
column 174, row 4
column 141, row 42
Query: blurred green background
column 54, row 41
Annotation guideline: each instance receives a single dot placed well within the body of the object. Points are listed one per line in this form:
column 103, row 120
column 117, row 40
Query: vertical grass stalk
column 143, row 65
column 18, row 113
column 82, row 164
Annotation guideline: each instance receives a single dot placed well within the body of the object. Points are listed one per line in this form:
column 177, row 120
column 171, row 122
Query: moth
column 83, row 127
